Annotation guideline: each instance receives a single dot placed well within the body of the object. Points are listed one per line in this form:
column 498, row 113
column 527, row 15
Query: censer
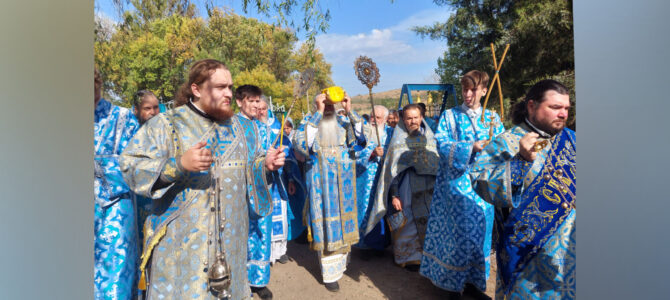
column 219, row 272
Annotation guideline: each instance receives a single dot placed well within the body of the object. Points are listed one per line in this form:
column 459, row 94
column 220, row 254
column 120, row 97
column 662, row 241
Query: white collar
column 472, row 113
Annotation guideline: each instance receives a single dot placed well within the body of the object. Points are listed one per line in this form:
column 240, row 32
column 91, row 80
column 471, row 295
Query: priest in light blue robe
column 207, row 174
column 115, row 224
column 249, row 99
column 458, row 240
column 368, row 163
column 327, row 141
column 528, row 174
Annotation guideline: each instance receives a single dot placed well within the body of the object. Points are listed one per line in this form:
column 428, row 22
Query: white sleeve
column 358, row 130
column 310, row 133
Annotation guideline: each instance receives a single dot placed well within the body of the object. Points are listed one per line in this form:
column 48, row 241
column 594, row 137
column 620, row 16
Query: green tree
column 155, row 58
column 263, row 78
column 314, row 18
column 305, row 58
column 153, row 47
column 244, row 43
column 540, row 34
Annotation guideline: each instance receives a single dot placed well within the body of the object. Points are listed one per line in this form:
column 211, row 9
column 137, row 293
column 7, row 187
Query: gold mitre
column 334, row 94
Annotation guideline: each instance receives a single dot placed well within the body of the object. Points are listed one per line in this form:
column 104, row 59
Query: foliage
column 155, row 58
column 540, row 34
column 244, row 43
column 153, row 47
column 314, row 18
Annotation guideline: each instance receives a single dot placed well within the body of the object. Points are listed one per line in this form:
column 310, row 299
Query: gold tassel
column 309, row 233
column 142, row 285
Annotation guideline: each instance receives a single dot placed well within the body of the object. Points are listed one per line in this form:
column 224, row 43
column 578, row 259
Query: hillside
column 361, row 103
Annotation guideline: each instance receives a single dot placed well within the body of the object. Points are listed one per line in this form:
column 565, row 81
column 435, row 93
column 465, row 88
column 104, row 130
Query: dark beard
column 222, row 114
column 548, row 128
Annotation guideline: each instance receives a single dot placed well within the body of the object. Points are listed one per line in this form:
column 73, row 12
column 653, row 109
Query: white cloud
column 401, row 55
column 423, row 18
column 380, row 45
column 396, row 44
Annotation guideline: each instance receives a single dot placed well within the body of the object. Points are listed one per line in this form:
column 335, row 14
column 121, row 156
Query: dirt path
column 378, row 278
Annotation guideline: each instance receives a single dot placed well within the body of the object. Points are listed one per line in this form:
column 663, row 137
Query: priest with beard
column 406, row 186
column 528, row 174
column 328, row 142
column 207, row 175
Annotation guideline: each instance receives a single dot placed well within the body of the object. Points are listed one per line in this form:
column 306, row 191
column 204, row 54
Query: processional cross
column 496, row 79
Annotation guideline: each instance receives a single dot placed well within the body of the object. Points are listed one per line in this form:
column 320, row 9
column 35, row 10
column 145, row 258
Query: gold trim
column 147, row 253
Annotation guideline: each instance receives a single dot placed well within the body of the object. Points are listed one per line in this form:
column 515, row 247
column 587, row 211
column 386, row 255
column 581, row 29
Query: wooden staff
column 374, row 117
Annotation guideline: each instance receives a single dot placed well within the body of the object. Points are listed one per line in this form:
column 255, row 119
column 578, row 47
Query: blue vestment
column 292, row 174
column 331, row 184
column 116, row 240
column 535, row 214
column 181, row 242
column 260, row 230
column 367, row 171
column 458, row 238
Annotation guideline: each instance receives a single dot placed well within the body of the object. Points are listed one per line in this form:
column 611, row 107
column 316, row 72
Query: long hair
column 536, row 93
column 200, row 71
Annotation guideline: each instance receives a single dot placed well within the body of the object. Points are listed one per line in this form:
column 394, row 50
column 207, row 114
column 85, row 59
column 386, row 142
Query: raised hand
column 275, row 158
column 527, row 146
column 197, row 158
column 320, row 102
column 346, row 103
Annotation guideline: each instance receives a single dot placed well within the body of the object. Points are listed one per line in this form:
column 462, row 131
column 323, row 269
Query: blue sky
column 378, row 29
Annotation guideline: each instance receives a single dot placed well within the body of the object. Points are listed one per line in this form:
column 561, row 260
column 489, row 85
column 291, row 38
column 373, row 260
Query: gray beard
column 328, row 128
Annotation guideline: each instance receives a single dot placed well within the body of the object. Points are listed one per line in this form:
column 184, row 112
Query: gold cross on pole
column 496, row 78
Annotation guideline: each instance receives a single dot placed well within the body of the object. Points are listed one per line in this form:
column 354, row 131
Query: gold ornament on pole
column 368, row 74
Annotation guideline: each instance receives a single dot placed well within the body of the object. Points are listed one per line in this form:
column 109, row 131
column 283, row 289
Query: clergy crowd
column 198, row 202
